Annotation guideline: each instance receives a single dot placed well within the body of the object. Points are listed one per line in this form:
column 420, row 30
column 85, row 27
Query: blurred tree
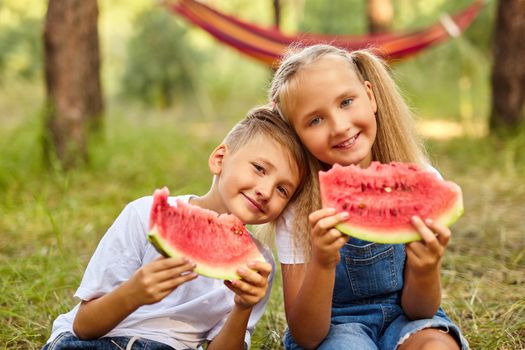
column 159, row 63
column 72, row 68
column 508, row 72
column 380, row 14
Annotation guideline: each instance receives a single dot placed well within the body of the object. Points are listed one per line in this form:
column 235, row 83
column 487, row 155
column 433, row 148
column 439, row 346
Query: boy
column 132, row 298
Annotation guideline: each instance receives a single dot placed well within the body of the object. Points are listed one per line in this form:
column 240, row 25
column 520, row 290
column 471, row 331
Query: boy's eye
column 346, row 102
column 258, row 168
column 314, row 121
column 282, row 190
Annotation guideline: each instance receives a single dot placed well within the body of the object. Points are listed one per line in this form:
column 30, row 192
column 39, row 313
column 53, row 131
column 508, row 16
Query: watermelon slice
column 217, row 244
column 382, row 198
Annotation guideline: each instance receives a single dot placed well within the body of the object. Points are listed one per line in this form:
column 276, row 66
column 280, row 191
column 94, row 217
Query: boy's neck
column 209, row 201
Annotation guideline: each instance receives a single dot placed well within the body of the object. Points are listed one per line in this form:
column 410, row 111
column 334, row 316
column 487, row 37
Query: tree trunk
column 380, row 14
column 277, row 13
column 508, row 72
column 72, row 66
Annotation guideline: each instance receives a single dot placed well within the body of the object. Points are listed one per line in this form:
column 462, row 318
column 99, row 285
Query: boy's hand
column 326, row 240
column 154, row 281
column 425, row 256
column 252, row 286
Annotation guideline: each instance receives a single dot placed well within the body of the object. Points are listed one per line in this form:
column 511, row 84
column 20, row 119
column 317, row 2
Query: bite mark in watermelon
column 217, row 244
column 382, row 199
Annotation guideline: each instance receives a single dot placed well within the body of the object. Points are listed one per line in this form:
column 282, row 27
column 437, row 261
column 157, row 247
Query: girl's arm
column 421, row 294
column 150, row 284
column 249, row 290
column 308, row 288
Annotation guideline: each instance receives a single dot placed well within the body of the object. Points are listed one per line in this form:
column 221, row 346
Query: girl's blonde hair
column 396, row 139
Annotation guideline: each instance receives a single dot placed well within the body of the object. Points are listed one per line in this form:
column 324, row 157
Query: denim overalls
column 366, row 304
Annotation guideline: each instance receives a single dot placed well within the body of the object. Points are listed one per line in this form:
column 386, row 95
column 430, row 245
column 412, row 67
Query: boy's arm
column 149, row 284
column 421, row 295
column 251, row 289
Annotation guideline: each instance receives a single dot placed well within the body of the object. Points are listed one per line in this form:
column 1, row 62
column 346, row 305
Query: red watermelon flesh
column 217, row 244
column 382, row 199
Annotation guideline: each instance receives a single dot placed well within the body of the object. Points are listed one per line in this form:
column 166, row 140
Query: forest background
column 171, row 92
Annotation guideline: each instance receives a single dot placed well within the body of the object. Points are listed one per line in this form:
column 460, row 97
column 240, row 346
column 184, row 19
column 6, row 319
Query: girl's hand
column 154, row 281
column 425, row 256
column 326, row 240
column 252, row 286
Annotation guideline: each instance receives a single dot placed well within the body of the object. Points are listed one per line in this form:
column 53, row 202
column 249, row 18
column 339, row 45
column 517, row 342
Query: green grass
column 52, row 221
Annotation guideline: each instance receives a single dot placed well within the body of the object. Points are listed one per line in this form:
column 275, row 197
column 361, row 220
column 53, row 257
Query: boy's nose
column 263, row 193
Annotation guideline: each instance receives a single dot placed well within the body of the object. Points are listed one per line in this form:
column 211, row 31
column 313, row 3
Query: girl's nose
column 340, row 123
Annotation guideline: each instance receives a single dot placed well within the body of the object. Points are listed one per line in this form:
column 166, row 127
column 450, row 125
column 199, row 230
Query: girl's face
column 255, row 182
column 333, row 112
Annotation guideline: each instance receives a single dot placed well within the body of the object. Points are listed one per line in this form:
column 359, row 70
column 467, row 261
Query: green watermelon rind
column 400, row 236
column 224, row 273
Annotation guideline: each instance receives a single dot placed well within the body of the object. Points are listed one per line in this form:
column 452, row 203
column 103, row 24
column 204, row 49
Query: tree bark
column 72, row 73
column 380, row 14
column 277, row 13
column 508, row 72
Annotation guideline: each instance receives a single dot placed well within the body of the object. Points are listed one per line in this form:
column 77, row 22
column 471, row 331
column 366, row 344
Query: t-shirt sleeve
column 433, row 170
column 118, row 255
column 287, row 251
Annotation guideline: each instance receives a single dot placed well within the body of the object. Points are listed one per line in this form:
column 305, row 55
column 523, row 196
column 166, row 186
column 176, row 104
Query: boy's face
column 255, row 182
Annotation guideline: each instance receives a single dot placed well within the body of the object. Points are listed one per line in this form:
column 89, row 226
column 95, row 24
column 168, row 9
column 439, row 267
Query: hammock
column 267, row 45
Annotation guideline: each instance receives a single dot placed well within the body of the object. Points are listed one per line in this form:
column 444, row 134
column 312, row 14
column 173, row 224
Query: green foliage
column 21, row 48
column 342, row 17
column 160, row 62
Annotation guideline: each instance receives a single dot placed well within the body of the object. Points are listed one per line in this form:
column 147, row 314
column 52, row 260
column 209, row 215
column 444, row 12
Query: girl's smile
column 348, row 143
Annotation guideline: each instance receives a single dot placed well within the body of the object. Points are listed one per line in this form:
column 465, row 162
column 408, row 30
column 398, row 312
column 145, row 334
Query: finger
column 330, row 221
column 172, row 272
column 173, row 283
column 163, row 263
column 242, row 287
column 332, row 237
column 416, row 249
column 262, row 268
column 442, row 232
column 252, row 277
column 426, row 234
column 319, row 214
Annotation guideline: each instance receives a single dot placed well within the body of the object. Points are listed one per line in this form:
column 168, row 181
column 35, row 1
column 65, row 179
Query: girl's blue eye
column 346, row 102
column 315, row 121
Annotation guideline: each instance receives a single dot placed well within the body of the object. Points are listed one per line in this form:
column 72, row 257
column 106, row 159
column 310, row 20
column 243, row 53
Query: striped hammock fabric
column 267, row 45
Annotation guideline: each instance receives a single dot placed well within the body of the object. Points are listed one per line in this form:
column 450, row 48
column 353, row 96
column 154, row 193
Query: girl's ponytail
column 396, row 139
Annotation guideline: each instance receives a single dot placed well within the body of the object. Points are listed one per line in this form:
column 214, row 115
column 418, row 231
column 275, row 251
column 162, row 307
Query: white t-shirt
column 193, row 313
column 287, row 253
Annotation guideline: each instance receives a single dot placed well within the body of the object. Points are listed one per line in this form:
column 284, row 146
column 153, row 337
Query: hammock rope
column 267, row 44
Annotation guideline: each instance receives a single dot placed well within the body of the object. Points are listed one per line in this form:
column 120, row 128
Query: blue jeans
column 69, row 341
column 366, row 303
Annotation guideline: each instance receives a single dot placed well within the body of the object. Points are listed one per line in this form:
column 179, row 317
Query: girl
column 341, row 292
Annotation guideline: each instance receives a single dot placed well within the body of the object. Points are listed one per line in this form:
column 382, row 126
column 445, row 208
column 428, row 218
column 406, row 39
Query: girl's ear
column 371, row 96
column 216, row 159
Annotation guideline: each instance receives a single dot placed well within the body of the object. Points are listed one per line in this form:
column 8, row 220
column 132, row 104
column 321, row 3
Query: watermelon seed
column 388, row 189
column 362, row 205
